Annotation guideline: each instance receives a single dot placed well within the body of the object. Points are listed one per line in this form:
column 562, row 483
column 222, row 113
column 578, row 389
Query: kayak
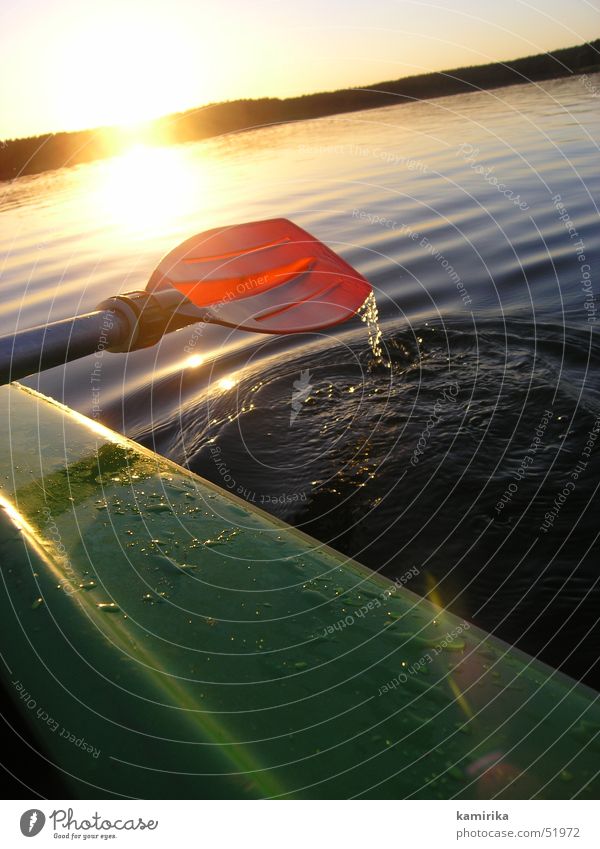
column 162, row 638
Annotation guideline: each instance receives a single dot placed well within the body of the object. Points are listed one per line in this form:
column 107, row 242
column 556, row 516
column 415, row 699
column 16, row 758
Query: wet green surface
column 201, row 648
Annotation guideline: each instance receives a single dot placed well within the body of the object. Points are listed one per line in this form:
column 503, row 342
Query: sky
column 76, row 64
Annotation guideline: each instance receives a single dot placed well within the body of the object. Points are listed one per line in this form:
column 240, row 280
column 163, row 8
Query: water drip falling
column 369, row 314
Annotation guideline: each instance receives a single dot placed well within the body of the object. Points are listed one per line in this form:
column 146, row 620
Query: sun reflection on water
column 148, row 189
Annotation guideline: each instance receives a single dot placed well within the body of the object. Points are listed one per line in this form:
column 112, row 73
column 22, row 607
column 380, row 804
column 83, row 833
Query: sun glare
column 194, row 361
column 147, row 188
column 120, row 67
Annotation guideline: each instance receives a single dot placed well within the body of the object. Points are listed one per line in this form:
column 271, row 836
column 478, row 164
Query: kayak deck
column 164, row 639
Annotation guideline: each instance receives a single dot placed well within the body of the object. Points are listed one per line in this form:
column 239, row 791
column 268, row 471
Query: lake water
column 469, row 450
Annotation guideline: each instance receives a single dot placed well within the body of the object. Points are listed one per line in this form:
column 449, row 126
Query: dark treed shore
column 56, row 150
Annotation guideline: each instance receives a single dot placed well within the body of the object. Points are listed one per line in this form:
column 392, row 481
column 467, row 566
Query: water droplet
column 150, row 598
column 456, row 772
column 87, row 585
column 455, row 645
column 370, row 315
column 37, row 603
column 108, row 607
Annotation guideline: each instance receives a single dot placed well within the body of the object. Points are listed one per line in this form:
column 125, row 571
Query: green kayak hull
column 161, row 638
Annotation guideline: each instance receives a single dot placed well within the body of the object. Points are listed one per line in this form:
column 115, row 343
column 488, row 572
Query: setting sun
column 89, row 65
column 119, row 69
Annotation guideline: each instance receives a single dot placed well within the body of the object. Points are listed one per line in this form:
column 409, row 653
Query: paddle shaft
column 125, row 323
column 41, row 348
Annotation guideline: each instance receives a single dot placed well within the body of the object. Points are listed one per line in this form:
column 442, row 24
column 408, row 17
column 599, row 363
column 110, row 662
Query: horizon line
column 372, row 87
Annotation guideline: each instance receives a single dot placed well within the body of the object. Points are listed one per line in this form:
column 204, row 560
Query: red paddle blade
column 266, row 276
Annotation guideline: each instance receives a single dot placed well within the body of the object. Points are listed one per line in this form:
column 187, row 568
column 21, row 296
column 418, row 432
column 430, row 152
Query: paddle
column 264, row 277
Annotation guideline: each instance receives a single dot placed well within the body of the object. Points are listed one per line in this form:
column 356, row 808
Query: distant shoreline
column 34, row 155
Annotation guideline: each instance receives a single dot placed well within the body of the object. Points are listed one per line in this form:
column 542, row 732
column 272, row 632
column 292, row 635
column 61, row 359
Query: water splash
column 369, row 314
